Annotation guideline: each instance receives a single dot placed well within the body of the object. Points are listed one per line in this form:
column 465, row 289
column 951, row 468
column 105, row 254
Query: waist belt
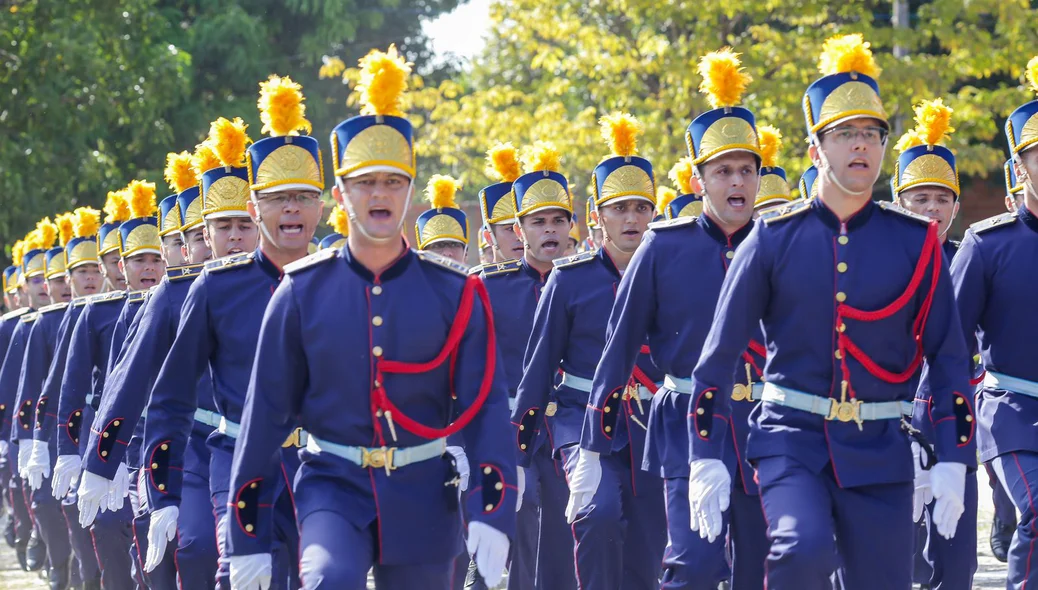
column 582, row 384
column 993, row 380
column 511, row 404
column 677, row 384
column 388, row 458
column 298, row 438
column 833, row 409
column 91, row 398
column 209, row 418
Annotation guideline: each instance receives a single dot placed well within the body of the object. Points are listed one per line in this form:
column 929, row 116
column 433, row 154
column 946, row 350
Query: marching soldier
column 614, row 507
column 989, row 280
column 339, row 222
column 594, row 232
column 686, row 202
column 443, row 229
column 374, row 489
column 496, row 206
column 268, row 211
column 830, row 457
column 774, row 189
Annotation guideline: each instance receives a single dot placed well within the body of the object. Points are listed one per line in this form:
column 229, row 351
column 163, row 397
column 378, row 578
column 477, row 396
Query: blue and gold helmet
column 10, row 279
column 82, row 248
column 923, row 161
column 847, row 89
column 339, row 222
column 1022, row 124
column 808, row 179
column 774, row 188
column 622, row 175
column 55, row 263
column 41, row 239
column 380, row 139
column 543, row 186
column 496, row 202
column 169, row 216
column 445, row 221
column 591, row 214
column 690, row 205
column 117, row 210
column 685, row 202
column 284, row 161
column 1012, row 186
column 140, row 233
column 574, row 230
column 727, row 127
column 225, row 188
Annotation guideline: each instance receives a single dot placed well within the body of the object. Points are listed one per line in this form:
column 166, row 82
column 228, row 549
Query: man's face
column 624, row 222
column 86, row 280
column 508, row 241
column 379, row 201
column 20, row 298
column 195, row 248
column 1027, row 170
column 854, row 150
column 449, row 249
column 36, row 289
column 288, row 218
column 545, row 234
column 172, row 249
column 486, row 255
column 143, row 271
column 934, row 202
column 231, row 235
column 730, row 183
column 59, row 289
column 596, row 236
column 111, row 271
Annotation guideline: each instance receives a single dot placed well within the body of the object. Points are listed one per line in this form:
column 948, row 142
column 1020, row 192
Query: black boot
column 19, row 550
column 58, row 576
column 94, row 584
column 474, row 581
column 1001, row 537
column 9, row 532
column 35, row 553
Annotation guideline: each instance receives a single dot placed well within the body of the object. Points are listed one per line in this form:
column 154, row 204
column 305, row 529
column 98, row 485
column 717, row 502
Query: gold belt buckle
column 551, row 409
column 378, row 458
column 845, row 410
column 293, row 439
column 742, row 393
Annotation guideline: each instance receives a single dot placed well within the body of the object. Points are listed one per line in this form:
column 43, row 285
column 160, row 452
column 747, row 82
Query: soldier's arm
column 52, row 385
column 30, row 382
column 78, row 380
column 9, row 374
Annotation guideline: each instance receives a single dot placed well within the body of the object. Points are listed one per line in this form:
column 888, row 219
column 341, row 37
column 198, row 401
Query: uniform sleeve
column 634, row 311
column 279, row 379
column 9, row 375
column 174, row 399
column 544, row 350
column 51, row 393
column 79, row 374
column 744, row 296
column 34, row 369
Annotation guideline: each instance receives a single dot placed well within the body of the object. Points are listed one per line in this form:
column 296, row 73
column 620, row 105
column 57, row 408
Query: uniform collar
column 266, row 265
column 715, row 231
column 532, row 272
column 1028, row 218
column 394, row 270
column 607, row 260
column 829, row 218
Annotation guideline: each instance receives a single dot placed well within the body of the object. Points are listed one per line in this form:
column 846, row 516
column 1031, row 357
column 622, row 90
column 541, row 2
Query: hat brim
column 291, row 186
column 770, row 201
column 854, row 117
column 379, row 168
column 222, row 215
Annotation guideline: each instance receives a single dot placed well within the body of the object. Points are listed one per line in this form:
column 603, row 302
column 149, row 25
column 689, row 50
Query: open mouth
column 380, row 213
column 149, row 282
column 737, row 201
column 858, row 164
column 234, row 251
column 518, row 249
column 291, row 229
column 550, row 246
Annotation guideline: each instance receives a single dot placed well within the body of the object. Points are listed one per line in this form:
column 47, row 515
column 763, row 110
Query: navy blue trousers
column 522, row 566
column 1004, row 509
column 113, row 539
column 196, row 555
column 747, row 540
column 953, row 561
column 50, row 521
column 546, row 490
column 690, row 562
column 1018, row 473
column 81, row 541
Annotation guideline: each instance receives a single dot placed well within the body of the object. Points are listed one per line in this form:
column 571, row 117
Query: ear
column 812, row 152
column 697, row 184
column 337, row 194
column 250, row 206
column 1018, row 167
column 955, row 209
column 518, row 229
column 122, row 266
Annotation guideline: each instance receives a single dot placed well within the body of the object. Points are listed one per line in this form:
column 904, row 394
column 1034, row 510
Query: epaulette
column 992, row 222
column 137, row 296
column 500, row 268
column 30, row 317
column 308, row 261
column 672, row 223
column 81, row 301
column 574, row 260
column 233, row 261
column 786, row 212
column 108, row 297
column 475, row 270
column 895, row 208
column 443, row 262
column 187, row 271
column 54, row 307
column 13, row 314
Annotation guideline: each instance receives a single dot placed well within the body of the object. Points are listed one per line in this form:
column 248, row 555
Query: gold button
column 842, row 267
column 162, row 487
column 254, row 485
column 608, row 428
column 616, row 395
column 241, row 504
column 607, row 409
column 104, row 453
column 838, row 355
column 499, row 486
column 164, row 447
column 21, row 413
column 154, row 465
column 843, row 240
column 376, row 290
column 377, row 351
column 963, row 439
column 969, row 418
column 487, row 470
column 77, row 413
column 709, row 395
column 841, row 297
column 489, row 508
column 378, row 383
column 248, row 528
column 116, row 423
column 377, row 320
column 842, row 328
column 700, row 411
column 104, row 434
column 959, row 401
column 729, row 255
column 703, row 433
column 532, row 412
column 522, row 446
column 522, row 427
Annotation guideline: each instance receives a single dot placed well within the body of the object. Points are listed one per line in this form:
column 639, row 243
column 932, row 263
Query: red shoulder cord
column 380, row 402
column 638, row 376
column 758, row 349
column 930, row 256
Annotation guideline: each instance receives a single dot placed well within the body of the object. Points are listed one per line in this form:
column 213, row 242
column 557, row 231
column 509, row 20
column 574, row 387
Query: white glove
column 520, row 480
column 93, row 496
column 24, row 452
column 948, row 481
column 709, row 492
column 489, row 548
column 3, row 448
column 162, row 529
column 120, row 488
column 923, row 494
column 39, row 464
column 461, row 463
column 583, row 483
column 66, row 471
column 249, row 572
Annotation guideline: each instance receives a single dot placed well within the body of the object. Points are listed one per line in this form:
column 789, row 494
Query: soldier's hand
column 489, row 548
column 39, row 464
column 461, row 464
column 66, row 470
column 93, row 497
column 162, row 528
column 709, row 493
column 250, row 572
column 120, row 488
column 948, row 481
column 583, row 483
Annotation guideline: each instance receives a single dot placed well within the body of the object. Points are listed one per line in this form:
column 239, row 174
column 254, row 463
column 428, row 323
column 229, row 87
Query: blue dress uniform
column 830, row 457
column 989, row 280
column 515, row 288
column 774, row 188
column 10, row 373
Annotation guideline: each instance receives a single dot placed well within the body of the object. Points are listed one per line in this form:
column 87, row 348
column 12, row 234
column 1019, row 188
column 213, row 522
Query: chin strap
column 355, row 222
column 832, row 175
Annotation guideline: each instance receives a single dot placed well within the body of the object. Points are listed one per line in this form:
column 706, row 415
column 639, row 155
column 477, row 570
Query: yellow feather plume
column 86, row 222
column 180, row 171
column 664, row 196
column 847, row 53
column 770, row 140
column 724, row 80
column 503, row 162
column 66, row 229
column 383, row 80
column 339, row 220
column 933, row 121
column 681, row 175
column 229, row 140
column 281, row 107
column 47, row 233
column 1032, row 73
column 18, row 253
column 441, row 190
column 542, row 156
column 205, row 159
column 32, row 241
column 621, row 131
column 117, row 208
column 141, row 196
column 908, row 141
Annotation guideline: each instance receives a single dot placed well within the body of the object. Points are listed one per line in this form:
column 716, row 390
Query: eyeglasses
column 301, row 199
column 848, row 135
